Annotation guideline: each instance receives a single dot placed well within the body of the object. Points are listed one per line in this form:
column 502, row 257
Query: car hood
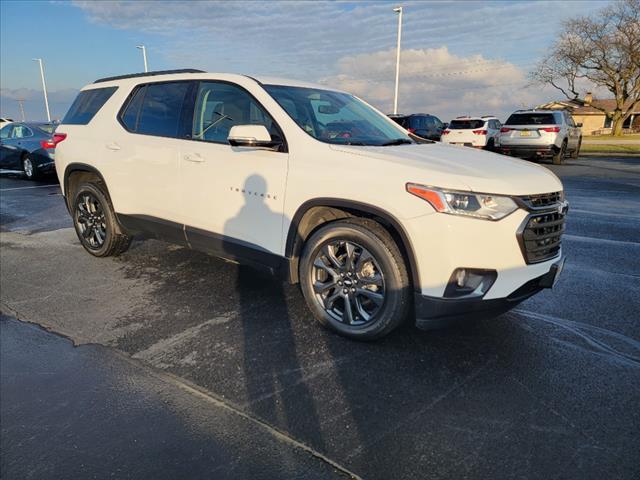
column 461, row 168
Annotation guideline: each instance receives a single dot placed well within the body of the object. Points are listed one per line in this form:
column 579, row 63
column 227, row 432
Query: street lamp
column 398, row 10
column 144, row 56
column 44, row 87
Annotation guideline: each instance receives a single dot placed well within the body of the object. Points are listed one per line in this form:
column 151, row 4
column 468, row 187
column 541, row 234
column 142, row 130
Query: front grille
column 540, row 239
column 543, row 200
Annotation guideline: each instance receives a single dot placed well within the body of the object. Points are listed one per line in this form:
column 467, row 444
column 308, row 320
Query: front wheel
column 95, row 222
column 354, row 279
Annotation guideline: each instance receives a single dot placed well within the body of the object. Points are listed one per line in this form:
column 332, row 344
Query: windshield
column 466, row 124
column 337, row 118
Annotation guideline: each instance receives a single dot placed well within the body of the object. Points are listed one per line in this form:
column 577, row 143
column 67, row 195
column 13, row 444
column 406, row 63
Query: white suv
column 313, row 184
column 540, row 134
column 478, row 132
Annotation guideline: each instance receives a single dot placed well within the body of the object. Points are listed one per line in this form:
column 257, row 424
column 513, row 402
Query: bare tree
column 602, row 49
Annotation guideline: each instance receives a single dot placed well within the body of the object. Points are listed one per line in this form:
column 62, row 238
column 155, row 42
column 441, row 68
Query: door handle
column 113, row 146
column 193, row 157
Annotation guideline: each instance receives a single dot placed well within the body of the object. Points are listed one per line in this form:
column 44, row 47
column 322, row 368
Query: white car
column 4, row 120
column 313, row 184
column 479, row 132
column 537, row 134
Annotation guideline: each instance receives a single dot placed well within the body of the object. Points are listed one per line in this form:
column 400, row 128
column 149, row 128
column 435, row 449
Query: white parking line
column 25, row 188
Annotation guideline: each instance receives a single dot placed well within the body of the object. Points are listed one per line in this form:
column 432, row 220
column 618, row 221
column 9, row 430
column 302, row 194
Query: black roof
column 149, row 74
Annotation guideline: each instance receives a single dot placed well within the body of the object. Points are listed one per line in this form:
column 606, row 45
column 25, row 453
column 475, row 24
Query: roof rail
column 488, row 116
column 149, row 74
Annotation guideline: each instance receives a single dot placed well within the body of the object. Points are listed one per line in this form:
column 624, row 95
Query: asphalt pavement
column 549, row 390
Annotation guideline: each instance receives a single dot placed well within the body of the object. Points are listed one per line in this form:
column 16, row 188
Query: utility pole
column 144, row 56
column 21, row 103
column 44, row 88
column 398, row 10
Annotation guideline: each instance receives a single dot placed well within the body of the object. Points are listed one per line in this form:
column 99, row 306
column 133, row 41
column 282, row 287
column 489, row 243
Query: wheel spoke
column 375, row 280
column 330, row 300
column 347, row 316
column 328, row 251
column 99, row 236
column 364, row 257
column 377, row 298
column 322, row 287
column 349, row 259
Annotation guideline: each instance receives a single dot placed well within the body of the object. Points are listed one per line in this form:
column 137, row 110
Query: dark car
column 421, row 124
column 28, row 147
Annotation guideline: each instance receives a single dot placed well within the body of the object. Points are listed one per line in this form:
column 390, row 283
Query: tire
column 576, row 153
column 95, row 222
column 29, row 169
column 558, row 157
column 376, row 279
column 490, row 146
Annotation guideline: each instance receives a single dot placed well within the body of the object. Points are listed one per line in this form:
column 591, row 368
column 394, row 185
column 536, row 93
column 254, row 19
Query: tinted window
column 162, row 108
column 422, row 122
column 402, row 121
column 5, row 131
column 466, row 124
column 130, row 115
column 220, row 106
column 87, row 104
column 531, row 119
column 20, row 131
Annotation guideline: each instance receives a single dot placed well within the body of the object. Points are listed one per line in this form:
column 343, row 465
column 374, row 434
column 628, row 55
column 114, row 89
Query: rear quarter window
column 87, row 104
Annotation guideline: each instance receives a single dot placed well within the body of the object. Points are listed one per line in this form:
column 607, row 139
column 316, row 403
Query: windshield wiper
column 397, row 141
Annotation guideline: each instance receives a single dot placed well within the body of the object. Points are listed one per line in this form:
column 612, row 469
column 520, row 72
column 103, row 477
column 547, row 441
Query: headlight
column 477, row 205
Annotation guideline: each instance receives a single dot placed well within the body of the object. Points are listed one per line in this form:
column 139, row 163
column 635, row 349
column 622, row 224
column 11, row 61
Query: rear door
column 232, row 197
column 144, row 158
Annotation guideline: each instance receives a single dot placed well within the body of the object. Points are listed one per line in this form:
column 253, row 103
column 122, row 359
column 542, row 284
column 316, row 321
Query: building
column 594, row 121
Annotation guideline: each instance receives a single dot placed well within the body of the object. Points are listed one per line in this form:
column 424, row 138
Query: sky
column 458, row 57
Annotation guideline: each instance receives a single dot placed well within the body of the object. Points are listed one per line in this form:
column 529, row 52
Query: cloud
column 436, row 81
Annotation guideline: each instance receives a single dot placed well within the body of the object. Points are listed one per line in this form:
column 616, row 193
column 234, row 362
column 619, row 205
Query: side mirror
column 254, row 136
column 579, row 125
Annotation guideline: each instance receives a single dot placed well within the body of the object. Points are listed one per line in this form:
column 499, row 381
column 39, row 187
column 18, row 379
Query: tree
column 603, row 50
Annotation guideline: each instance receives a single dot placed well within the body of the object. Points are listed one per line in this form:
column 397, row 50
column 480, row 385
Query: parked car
column 4, row 120
column 27, row 147
column 315, row 185
column 541, row 134
column 479, row 132
column 421, row 124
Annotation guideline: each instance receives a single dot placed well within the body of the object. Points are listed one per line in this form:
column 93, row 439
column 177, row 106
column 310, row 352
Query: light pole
column 144, row 56
column 44, row 88
column 398, row 10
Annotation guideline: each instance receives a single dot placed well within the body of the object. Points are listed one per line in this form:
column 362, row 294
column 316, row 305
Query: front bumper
column 438, row 312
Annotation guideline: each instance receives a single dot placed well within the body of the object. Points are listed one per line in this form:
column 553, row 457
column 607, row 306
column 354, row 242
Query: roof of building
column 579, row 107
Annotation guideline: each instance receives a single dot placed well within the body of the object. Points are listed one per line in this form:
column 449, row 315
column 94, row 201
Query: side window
column 87, row 104
column 5, row 132
column 155, row 109
column 131, row 113
column 20, row 131
column 219, row 106
column 162, row 108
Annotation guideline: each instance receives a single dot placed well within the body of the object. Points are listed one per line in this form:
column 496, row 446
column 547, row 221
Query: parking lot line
column 26, row 188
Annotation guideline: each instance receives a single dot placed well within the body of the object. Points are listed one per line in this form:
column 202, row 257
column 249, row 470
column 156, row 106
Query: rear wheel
column 354, row 279
column 95, row 222
column 558, row 157
column 29, row 168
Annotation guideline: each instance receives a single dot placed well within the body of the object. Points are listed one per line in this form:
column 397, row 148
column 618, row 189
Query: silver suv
column 541, row 134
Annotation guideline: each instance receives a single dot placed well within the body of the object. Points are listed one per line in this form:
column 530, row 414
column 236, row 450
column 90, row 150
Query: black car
column 28, row 147
column 421, row 124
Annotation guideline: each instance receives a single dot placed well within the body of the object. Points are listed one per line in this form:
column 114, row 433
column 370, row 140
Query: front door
column 232, row 197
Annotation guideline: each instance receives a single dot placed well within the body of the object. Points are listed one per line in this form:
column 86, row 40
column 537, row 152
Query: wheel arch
column 78, row 167
column 309, row 217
